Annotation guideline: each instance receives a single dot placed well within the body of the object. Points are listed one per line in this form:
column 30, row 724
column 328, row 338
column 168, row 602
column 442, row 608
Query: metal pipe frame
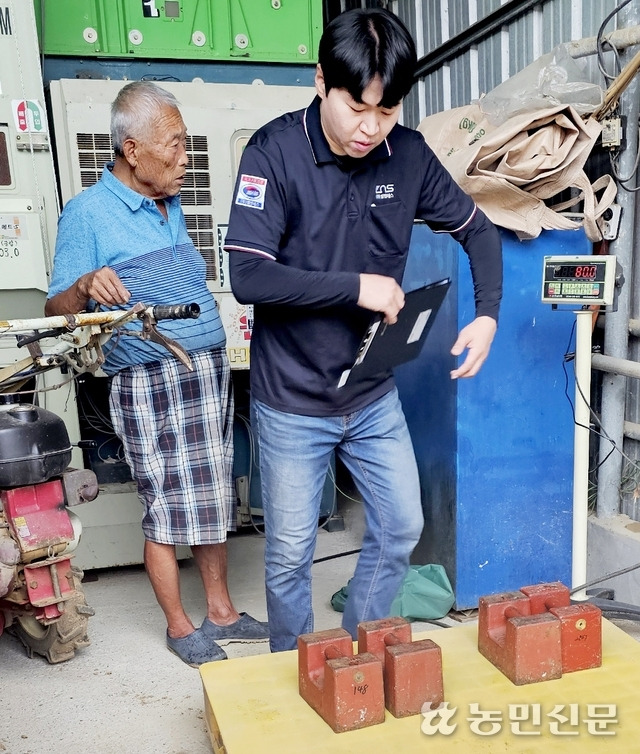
column 617, row 398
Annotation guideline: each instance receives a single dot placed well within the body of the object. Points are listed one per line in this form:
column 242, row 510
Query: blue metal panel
column 162, row 70
column 495, row 452
column 430, row 402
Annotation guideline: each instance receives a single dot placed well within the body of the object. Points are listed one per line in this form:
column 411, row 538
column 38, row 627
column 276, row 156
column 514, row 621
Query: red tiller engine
column 41, row 597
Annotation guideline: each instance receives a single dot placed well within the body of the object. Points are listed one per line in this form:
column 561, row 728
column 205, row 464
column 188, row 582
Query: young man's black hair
column 360, row 45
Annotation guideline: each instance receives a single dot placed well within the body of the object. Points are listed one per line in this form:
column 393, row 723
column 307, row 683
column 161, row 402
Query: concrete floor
column 126, row 692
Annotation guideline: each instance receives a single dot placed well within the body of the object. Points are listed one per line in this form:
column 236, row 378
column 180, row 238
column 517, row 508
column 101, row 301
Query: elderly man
column 125, row 240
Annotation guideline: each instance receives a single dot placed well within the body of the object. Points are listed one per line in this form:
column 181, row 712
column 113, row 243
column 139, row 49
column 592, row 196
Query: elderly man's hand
column 477, row 336
column 103, row 286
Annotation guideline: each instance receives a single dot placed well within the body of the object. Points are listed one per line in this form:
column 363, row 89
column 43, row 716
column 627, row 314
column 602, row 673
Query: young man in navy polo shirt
column 319, row 233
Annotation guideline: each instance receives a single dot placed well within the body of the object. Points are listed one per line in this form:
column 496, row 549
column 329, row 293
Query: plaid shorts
column 176, row 428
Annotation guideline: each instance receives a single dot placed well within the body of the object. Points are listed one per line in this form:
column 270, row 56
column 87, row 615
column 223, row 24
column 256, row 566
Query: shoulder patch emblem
column 251, row 191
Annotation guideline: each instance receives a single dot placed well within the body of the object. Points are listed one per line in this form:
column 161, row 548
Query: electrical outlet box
column 611, row 136
column 610, row 222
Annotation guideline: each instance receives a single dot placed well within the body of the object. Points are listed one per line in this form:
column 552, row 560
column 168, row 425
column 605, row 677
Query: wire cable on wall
column 602, row 44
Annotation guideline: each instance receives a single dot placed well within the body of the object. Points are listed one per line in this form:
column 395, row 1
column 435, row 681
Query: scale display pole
column 583, row 281
column 582, row 418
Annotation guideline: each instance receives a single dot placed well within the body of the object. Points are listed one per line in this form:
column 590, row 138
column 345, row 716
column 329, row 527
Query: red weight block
column 412, row 670
column 581, row 631
column 542, row 597
column 374, row 635
column 492, row 620
column 413, row 677
column 525, row 647
column 533, row 649
column 346, row 690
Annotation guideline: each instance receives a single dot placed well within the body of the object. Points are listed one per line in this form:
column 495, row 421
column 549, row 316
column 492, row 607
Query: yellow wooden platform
column 252, row 705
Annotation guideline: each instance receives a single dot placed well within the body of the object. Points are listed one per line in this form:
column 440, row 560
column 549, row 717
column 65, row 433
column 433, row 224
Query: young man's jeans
column 295, row 453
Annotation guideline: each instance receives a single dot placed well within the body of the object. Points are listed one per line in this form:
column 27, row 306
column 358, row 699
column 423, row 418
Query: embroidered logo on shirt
column 385, row 191
column 251, row 191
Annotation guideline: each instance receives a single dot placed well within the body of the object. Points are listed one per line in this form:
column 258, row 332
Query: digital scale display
column 577, row 271
column 578, row 280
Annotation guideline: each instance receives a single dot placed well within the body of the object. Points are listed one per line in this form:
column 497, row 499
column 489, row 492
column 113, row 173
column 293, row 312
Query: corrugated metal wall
column 468, row 47
column 472, row 72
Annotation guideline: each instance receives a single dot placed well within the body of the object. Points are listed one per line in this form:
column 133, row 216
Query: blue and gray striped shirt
column 111, row 225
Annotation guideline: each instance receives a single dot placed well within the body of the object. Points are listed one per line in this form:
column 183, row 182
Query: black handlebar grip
column 175, row 311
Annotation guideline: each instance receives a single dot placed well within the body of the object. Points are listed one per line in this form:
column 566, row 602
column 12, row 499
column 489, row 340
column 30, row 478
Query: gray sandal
column 195, row 649
column 245, row 628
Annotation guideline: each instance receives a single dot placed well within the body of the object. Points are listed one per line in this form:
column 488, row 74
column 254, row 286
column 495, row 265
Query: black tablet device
column 385, row 346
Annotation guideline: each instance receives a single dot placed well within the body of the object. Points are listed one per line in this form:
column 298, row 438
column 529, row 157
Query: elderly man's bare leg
column 183, row 639
column 223, row 623
column 162, row 568
column 212, row 562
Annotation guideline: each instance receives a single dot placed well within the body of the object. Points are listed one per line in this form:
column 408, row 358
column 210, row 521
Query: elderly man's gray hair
column 134, row 109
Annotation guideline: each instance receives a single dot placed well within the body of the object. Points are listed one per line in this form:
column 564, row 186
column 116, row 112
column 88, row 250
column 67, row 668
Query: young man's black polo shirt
column 328, row 219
